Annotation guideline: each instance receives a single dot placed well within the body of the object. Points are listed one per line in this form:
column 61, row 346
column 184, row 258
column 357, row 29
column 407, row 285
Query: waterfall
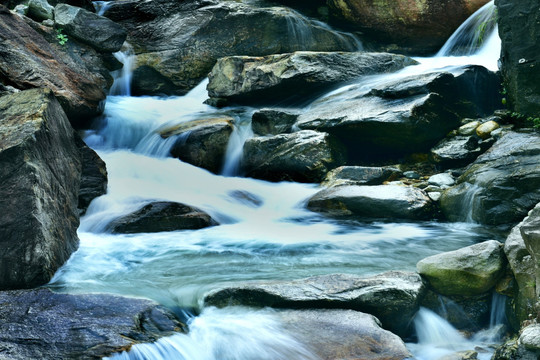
column 122, row 77
column 101, row 7
column 233, row 156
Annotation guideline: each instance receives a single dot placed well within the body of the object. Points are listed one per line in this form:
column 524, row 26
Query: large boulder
column 469, row 271
column 294, row 77
column 393, row 297
column 39, row 324
column 182, row 41
column 418, row 27
column 303, row 156
column 322, row 331
column 519, row 29
column 403, row 115
column 377, row 201
column 40, row 170
column 501, row 186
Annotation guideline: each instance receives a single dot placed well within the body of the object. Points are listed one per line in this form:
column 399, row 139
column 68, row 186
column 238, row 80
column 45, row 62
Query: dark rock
column 392, row 297
column 93, row 177
column 456, row 151
column 303, row 156
column 294, row 77
column 360, row 175
column 40, row 170
column 162, row 216
column 40, row 10
column 378, row 201
column 512, row 349
column 85, row 4
column 501, row 186
column 39, row 324
column 148, row 81
column 97, row 31
column 273, row 121
column 519, row 29
column 410, row 114
column 323, row 332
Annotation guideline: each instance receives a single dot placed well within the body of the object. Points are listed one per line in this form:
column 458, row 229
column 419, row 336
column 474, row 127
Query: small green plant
column 62, row 38
column 527, row 120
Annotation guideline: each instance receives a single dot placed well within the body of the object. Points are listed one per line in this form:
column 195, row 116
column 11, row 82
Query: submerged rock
column 392, row 297
column 378, row 201
column 162, row 216
column 303, row 156
column 360, row 175
column 40, row 170
column 39, row 324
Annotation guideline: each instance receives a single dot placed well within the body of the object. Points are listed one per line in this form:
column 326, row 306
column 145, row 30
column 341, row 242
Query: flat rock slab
column 40, row 324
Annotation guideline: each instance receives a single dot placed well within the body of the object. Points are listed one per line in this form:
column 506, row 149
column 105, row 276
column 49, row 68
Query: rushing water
column 265, row 232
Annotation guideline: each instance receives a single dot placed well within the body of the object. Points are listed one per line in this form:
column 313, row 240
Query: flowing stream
column 265, row 232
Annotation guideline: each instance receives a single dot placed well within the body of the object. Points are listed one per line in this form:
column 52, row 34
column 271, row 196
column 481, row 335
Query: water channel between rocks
column 265, row 233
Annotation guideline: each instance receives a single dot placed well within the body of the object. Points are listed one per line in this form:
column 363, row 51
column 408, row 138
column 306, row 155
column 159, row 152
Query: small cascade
column 101, row 7
column 122, row 77
column 497, row 321
column 233, row 156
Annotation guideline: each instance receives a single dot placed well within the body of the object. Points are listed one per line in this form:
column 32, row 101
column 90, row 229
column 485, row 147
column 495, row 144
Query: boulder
column 378, row 201
column 469, row 271
column 392, row 297
column 360, row 175
column 97, row 31
column 418, row 27
column 40, row 170
column 40, row 10
column 530, row 337
column 323, row 333
column 85, row 4
column 519, row 29
column 93, row 177
column 294, row 77
column 442, row 180
column 202, row 142
column 273, row 121
column 501, row 186
column 484, row 130
column 182, row 41
column 469, row 128
column 40, row 324
column 512, row 349
column 27, row 61
column 303, row 156
column 456, row 151
column 162, row 216
column 409, row 114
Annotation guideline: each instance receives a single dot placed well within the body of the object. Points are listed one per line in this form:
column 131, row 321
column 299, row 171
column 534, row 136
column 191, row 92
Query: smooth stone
column 530, row 337
column 360, row 175
column 484, row 130
column 442, row 180
column 469, row 128
column 40, row 10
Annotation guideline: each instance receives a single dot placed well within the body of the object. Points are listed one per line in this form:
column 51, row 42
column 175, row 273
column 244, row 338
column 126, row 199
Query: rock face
column 472, row 270
column 40, row 170
column 392, row 297
column 419, row 27
column 519, row 29
column 360, row 175
column 323, row 332
column 294, row 77
column 379, row 201
column 39, row 324
column 501, row 186
column 182, row 41
column 410, row 114
column 162, row 216
column 93, row 177
column 303, row 156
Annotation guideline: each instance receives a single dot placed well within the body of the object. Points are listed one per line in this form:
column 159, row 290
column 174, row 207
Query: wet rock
column 411, row 174
column 501, row 186
column 472, row 270
column 85, row 4
column 202, row 143
column 148, row 81
column 360, row 175
column 380, row 201
column 461, row 355
column 322, row 331
column 294, row 77
column 39, row 324
column 40, row 172
column 273, row 121
column 530, row 337
column 406, row 115
column 456, row 151
column 442, row 180
column 484, row 130
column 392, row 297
column 97, row 31
column 469, row 128
column 162, row 216
column 513, row 350
column 303, row 156
column 93, row 177
column 40, row 10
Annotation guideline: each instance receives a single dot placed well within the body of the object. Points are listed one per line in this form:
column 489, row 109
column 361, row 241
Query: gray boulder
column 93, row 177
column 530, row 337
column 273, row 121
column 442, row 180
column 469, row 271
column 294, row 77
column 39, row 324
column 501, row 186
column 392, row 297
column 360, row 175
column 40, row 10
column 97, row 31
column 456, row 151
column 378, row 201
column 40, row 170
column 303, row 156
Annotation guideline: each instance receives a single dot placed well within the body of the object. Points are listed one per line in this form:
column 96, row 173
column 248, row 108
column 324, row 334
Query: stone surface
column 469, row 128
column 40, row 10
column 501, row 186
column 513, row 350
column 294, row 77
column 392, row 297
column 484, row 130
column 360, row 175
column 442, row 180
column 472, row 270
column 40, row 171
column 530, row 337
column 456, row 151
column 378, row 201
column 322, row 331
column 93, row 177
column 39, row 324
column 273, row 121
column 162, row 216
column 303, row 156
column 97, row 31
column 461, row 355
